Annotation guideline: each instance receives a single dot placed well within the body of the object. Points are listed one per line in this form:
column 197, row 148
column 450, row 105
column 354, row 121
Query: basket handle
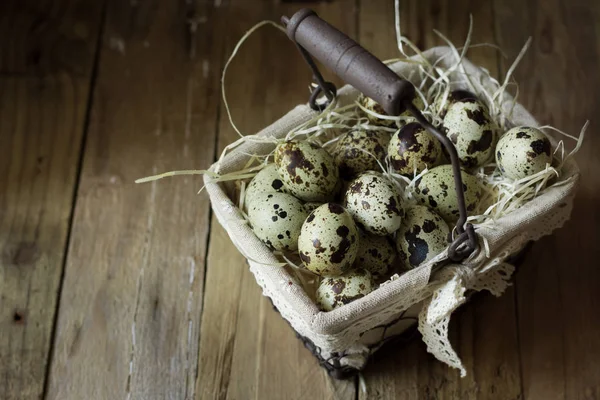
column 361, row 69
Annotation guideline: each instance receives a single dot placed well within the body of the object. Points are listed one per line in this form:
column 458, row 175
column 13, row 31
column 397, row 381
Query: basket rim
column 305, row 311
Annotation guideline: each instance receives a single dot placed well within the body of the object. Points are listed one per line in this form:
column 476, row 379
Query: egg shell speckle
column 374, row 204
column 266, row 181
column 311, row 206
column 360, row 150
column 308, row 171
column 277, row 219
column 334, row 292
column 453, row 97
column 413, row 147
column 436, row 190
column 422, row 236
column 407, row 117
column 328, row 241
column 376, row 254
column 469, row 126
column 523, row 151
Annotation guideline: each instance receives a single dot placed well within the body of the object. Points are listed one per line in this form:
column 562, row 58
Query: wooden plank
column 130, row 309
column 246, row 349
column 47, row 53
column 489, row 351
column 558, row 291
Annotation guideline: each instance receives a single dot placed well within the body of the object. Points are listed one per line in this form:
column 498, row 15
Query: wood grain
column 558, row 290
column 130, row 309
column 43, row 99
column 488, row 351
column 246, row 349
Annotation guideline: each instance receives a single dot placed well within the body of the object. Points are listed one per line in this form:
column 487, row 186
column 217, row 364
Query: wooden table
column 111, row 290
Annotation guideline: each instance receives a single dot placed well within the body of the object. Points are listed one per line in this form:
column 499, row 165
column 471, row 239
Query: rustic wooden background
column 111, row 290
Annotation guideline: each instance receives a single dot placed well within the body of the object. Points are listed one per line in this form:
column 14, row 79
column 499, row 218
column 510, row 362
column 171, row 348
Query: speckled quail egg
column 469, row 126
column 422, row 236
column 277, row 219
column 328, row 241
column 360, row 150
column 453, row 97
column 374, row 203
column 414, row 148
column 311, row 206
column 375, row 254
column 418, row 102
column 308, row 171
column 407, row 117
column 334, row 292
column 523, row 151
column 266, row 181
column 436, row 190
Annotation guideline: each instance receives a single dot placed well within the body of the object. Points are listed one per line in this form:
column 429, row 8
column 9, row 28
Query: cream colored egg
column 436, row 190
column 422, row 236
column 412, row 149
column 266, row 181
column 523, row 151
column 361, row 150
column 405, row 117
column 276, row 219
column 328, row 241
column 441, row 105
column 334, row 292
column 374, row 204
column 469, row 126
column 308, row 171
column 311, row 206
column 376, row 254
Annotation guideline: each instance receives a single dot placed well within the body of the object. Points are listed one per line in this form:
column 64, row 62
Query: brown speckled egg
column 337, row 291
column 308, row 171
column 523, row 151
column 374, row 203
column 359, row 151
column 375, row 254
column 414, row 148
column 311, row 206
column 469, row 126
column 422, row 236
column 436, row 190
column 266, row 181
column 407, row 117
column 453, row 97
column 328, row 241
column 276, row 219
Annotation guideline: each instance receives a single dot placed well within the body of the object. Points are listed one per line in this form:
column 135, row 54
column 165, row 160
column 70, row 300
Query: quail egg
column 469, row 126
column 375, row 254
column 413, row 148
column 422, row 236
column 418, row 102
column 374, row 203
column 311, row 206
column 453, row 97
column 361, row 150
column 523, row 151
column 406, row 116
column 308, row 171
column 334, row 292
column 277, row 219
column 436, row 190
column 266, row 181
column 328, row 241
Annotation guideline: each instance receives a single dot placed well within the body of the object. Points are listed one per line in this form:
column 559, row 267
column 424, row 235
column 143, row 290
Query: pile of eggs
column 350, row 224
